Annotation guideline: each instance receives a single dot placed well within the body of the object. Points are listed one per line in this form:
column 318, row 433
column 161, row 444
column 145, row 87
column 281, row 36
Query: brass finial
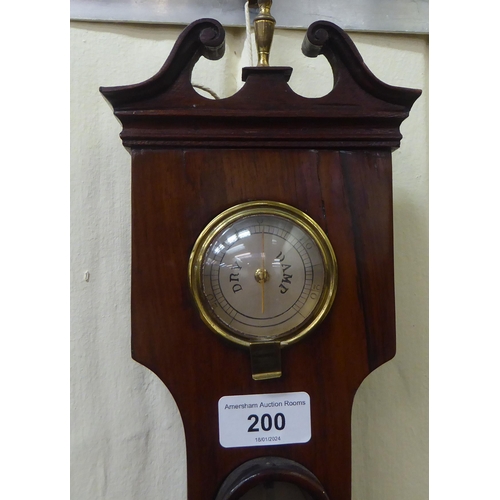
column 264, row 31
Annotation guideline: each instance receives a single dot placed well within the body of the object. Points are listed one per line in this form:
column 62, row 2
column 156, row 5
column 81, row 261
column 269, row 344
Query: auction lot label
column 264, row 419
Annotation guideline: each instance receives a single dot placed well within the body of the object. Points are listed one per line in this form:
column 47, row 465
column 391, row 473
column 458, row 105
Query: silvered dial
column 263, row 271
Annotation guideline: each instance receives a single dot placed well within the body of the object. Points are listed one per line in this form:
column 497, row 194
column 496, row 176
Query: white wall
column 127, row 437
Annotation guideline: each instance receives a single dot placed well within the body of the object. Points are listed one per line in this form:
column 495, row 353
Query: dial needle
column 262, row 281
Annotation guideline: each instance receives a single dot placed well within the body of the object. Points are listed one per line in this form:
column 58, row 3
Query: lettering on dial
column 235, row 277
column 285, row 280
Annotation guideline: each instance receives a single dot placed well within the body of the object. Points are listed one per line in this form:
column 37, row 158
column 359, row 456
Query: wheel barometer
column 224, row 267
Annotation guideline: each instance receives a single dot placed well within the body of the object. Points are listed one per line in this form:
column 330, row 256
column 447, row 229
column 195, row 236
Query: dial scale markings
column 218, row 264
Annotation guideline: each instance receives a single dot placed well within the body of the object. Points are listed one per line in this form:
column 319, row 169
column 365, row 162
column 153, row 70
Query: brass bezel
column 264, row 207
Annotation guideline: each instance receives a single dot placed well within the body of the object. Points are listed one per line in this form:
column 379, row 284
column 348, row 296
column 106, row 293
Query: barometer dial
column 263, row 271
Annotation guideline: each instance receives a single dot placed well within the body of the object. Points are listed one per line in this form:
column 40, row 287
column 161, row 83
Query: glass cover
column 263, row 276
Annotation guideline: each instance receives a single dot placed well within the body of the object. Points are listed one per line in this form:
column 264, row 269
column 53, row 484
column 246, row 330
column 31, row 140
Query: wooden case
column 330, row 157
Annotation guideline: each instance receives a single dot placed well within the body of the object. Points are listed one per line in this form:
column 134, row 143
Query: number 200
column 266, row 422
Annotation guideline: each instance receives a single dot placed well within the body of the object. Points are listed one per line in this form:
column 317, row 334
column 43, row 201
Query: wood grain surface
column 175, row 194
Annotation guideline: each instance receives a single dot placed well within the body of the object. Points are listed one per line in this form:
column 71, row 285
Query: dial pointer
column 262, row 281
